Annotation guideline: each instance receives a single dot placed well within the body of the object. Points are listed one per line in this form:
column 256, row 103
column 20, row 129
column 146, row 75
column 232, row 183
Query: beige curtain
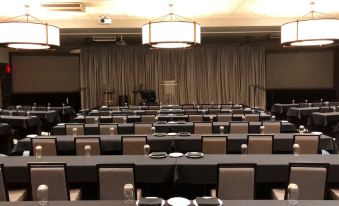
column 204, row 74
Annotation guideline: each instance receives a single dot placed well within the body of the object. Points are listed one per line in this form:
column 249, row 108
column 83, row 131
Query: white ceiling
column 209, row 13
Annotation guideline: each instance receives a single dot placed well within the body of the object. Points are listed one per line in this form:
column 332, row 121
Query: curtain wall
column 204, row 74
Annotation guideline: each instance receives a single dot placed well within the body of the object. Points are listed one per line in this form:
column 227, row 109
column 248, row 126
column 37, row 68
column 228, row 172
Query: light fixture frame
column 311, row 41
column 169, row 20
column 312, row 26
column 49, row 38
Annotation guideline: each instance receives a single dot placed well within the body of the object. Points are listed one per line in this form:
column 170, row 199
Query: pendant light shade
column 171, row 31
column 29, row 35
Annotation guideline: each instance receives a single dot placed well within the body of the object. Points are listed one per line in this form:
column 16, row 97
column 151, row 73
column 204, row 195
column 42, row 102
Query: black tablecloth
column 21, row 121
column 127, row 128
column 5, row 138
column 323, row 119
column 122, row 203
column 270, row 168
column 283, row 142
column 163, row 117
column 281, row 108
column 299, row 112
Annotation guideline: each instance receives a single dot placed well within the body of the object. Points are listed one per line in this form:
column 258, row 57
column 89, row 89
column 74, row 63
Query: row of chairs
column 235, row 181
column 238, row 182
column 134, row 145
column 191, row 118
column 198, row 128
column 111, row 179
column 182, row 106
column 185, row 111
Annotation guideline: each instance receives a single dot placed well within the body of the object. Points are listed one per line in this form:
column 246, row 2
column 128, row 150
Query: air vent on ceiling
column 64, row 6
column 104, row 38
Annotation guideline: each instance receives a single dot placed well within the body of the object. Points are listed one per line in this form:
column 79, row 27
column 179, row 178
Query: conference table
column 166, row 117
column 24, row 124
column 5, row 138
column 128, row 128
column 123, row 203
column 82, row 169
column 283, row 143
column 323, row 119
column 51, row 117
column 21, row 121
column 299, row 112
column 281, row 108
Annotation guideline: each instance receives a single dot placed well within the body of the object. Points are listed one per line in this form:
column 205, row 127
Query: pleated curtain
column 204, row 74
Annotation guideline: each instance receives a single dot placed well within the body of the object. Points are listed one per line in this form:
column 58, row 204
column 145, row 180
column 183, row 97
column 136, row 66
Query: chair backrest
column 239, row 127
column 195, row 118
column 202, row 127
column 311, row 180
column 252, row 117
column 206, row 106
column 93, row 142
column 147, row 118
column 188, row 106
column 309, row 144
column 153, row 107
column 226, row 106
column 49, row 146
column 259, row 144
column 224, row 117
column 191, row 111
column 133, row 145
column 151, row 112
column 105, row 129
column 317, row 104
column 214, row 144
column 119, row 119
column 213, row 111
column 325, row 109
column 51, row 174
column 112, row 178
column 80, row 129
column 238, row 111
column 104, row 113
column 3, row 185
column 92, row 119
column 143, row 128
column 271, row 127
column 236, row 182
column 303, row 105
column 21, row 113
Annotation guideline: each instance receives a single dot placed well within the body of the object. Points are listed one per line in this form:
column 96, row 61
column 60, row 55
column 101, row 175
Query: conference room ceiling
column 220, row 19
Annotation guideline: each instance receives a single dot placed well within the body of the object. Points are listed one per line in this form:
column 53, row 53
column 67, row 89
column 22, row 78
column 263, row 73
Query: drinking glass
column 88, row 150
column 262, row 129
column 301, row 129
column 38, row 151
column 147, row 150
column 111, row 130
column 129, row 193
column 296, row 149
column 75, row 131
column 42, row 195
column 292, row 194
column 222, row 129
